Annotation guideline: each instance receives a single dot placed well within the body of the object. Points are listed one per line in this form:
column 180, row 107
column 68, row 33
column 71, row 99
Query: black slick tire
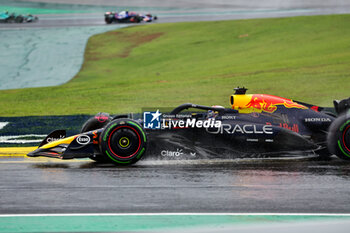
column 123, row 141
column 338, row 138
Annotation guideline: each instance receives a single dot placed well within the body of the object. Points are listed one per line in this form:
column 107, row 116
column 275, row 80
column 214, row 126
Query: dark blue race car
column 256, row 125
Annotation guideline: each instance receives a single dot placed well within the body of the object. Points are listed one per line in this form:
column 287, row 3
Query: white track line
column 3, row 124
column 20, row 139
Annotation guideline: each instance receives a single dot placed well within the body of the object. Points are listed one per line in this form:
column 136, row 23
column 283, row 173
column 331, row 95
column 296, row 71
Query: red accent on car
column 95, row 137
column 315, row 108
column 294, row 127
column 344, row 137
column 268, row 103
column 109, row 142
column 101, row 118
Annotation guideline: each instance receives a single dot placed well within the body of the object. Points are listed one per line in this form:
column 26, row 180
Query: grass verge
column 163, row 65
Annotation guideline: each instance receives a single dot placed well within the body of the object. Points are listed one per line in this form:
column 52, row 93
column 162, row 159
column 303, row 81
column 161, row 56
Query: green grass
column 164, row 65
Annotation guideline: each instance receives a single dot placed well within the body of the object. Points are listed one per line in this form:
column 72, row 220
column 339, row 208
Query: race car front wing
column 57, row 145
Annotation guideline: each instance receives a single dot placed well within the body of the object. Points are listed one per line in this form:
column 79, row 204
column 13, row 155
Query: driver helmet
column 213, row 114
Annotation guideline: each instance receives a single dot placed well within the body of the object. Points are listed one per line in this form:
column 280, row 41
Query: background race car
column 30, row 18
column 7, row 17
column 127, row 17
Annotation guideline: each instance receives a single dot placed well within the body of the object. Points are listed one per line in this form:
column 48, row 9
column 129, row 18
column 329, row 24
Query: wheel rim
column 346, row 138
column 124, row 142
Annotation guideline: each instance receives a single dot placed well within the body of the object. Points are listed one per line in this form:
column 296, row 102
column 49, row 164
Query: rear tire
column 135, row 19
column 338, row 139
column 123, row 141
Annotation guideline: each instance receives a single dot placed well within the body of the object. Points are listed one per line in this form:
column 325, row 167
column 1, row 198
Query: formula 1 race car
column 128, row 17
column 6, row 17
column 256, row 125
column 30, row 18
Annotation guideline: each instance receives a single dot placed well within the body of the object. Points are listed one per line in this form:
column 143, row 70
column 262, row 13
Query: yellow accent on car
column 58, row 142
column 240, row 102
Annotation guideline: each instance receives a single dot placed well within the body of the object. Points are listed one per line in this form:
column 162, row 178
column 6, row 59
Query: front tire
column 19, row 19
column 123, row 141
column 338, row 139
column 108, row 20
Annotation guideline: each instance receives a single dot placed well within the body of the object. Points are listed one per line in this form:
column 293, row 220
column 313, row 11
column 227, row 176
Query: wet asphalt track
column 241, row 186
column 78, row 20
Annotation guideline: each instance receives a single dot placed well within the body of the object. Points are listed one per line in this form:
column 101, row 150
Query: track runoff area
column 173, row 222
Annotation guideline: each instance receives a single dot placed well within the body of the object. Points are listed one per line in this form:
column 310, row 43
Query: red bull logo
column 269, row 103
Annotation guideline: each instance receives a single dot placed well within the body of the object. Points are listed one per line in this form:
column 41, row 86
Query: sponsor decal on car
column 169, row 153
column 294, row 127
column 48, row 140
column 326, row 119
column 101, row 118
column 83, row 139
column 241, row 129
column 266, row 103
column 228, row 117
